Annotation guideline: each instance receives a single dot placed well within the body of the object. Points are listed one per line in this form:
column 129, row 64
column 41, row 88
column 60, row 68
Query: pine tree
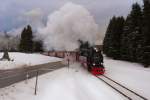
column 125, row 40
column 136, row 34
column 117, row 32
column 131, row 37
column 37, row 46
column 146, row 31
column 26, row 42
column 107, row 43
column 29, row 39
column 146, row 21
column 111, row 44
column 22, row 41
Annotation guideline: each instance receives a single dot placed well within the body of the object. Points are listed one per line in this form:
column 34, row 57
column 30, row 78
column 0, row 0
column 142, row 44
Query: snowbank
column 24, row 60
column 131, row 75
column 64, row 84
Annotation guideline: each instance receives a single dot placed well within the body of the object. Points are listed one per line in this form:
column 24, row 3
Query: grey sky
column 13, row 12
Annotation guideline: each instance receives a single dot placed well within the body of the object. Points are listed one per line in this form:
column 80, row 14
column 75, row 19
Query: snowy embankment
column 64, row 84
column 25, row 60
column 131, row 75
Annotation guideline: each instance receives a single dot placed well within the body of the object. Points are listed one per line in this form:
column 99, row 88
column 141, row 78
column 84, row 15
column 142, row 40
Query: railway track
column 126, row 92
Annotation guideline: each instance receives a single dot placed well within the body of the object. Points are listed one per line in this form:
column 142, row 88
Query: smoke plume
column 66, row 26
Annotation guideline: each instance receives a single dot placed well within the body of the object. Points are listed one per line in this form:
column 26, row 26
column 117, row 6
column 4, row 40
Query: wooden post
column 36, row 83
column 27, row 77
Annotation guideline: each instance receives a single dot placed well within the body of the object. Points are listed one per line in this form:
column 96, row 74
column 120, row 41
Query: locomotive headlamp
column 93, row 64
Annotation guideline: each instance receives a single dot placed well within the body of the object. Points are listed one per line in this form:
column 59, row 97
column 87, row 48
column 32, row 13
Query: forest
column 129, row 38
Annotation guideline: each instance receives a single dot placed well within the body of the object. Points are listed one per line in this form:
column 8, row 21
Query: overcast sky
column 16, row 13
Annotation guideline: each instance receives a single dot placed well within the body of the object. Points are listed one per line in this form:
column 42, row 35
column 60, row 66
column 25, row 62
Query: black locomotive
column 91, row 58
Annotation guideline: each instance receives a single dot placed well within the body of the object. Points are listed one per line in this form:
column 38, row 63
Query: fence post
column 36, row 83
column 27, row 77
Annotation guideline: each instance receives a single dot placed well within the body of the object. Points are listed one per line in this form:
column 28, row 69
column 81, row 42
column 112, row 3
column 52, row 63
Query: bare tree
column 6, row 46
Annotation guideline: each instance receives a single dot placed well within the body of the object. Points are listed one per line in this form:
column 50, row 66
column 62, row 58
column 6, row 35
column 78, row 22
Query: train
column 91, row 58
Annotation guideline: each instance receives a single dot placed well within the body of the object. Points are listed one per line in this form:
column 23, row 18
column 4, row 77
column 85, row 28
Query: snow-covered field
column 131, row 75
column 77, row 84
column 25, row 60
column 64, row 84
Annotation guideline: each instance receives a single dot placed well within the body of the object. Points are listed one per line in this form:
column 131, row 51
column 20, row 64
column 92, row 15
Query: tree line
column 129, row 38
column 25, row 42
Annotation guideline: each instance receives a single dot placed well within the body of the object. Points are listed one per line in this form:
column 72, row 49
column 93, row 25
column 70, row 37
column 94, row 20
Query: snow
column 64, row 84
column 132, row 75
column 76, row 83
column 25, row 60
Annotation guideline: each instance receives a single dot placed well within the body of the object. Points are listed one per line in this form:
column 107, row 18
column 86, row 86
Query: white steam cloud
column 66, row 26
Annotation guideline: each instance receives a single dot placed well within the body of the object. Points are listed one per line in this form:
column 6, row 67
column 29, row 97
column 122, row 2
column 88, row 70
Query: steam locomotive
column 92, row 59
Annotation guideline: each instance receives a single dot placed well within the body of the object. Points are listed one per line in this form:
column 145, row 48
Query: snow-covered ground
column 131, row 75
column 77, row 84
column 24, row 60
column 64, row 84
